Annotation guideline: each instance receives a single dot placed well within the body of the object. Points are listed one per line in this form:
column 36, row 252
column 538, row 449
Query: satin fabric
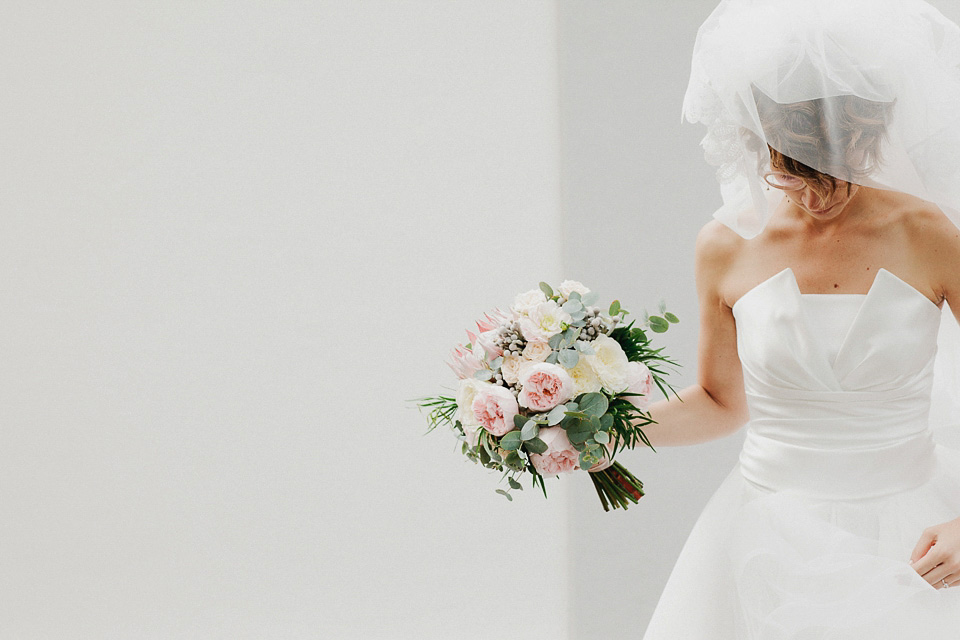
column 810, row 534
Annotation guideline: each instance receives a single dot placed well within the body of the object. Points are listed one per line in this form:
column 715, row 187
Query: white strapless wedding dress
column 810, row 534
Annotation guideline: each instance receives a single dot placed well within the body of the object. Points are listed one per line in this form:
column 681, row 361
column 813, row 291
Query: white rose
column 510, row 369
column 543, row 321
column 466, row 392
column 568, row 286
column 513, row 368
column 525, row 302
column 536, row 351
column 585, row 379
column 610, row 363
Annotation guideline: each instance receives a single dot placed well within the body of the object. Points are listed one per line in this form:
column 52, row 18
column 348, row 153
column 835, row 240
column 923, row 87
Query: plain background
column 239, row 237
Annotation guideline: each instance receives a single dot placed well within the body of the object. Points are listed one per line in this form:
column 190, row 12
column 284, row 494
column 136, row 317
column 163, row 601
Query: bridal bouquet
column 553, row 386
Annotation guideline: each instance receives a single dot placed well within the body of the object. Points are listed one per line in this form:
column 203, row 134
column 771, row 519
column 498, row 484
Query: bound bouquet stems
column 556, row 385
column 616, row 486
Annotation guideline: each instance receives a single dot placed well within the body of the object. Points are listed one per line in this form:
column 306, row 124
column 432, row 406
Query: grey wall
column 236, row 238
column 635, row 192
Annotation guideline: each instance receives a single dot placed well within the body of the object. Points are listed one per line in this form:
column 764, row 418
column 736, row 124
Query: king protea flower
column 464, row 364
column 488, row 326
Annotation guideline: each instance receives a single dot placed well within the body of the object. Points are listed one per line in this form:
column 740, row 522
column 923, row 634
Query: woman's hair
column 843, row 134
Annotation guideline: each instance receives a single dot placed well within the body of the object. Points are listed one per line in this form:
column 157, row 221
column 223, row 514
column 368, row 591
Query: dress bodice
column 838, row 387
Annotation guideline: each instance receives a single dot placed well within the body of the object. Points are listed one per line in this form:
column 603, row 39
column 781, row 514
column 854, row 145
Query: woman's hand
column 937, row 554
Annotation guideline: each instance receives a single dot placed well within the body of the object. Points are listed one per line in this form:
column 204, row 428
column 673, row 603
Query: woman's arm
column 936, row 555
column 716, row 406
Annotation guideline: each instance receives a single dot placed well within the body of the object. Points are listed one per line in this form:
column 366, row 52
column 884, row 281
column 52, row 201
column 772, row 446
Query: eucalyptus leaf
column 514, row 484
column 671, row 318
column 587, row 460
column 535, row 445
column 530, row 430
column 594, row 404
column 511, row 441
column 569, row 358
column 519, row 421
column 505, row 494
column 556, row 415
column 614, row 307
column 483, row 374
column 497, row 363
column 572, row 306
column 606, row 421
column 547, row 290
column 579, row 432
column 585, row 348
column 602, row 437
column 590, row 299
column 555, row 340
column 514, row 461
column 574, row 295
column 552, row 358
column 658, row 324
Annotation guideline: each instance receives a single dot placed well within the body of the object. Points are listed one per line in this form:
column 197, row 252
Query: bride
column 822, row 284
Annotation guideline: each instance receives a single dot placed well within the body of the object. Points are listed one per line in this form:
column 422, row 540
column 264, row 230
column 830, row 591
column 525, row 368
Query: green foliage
column 535, row 445
column 569, row 358
column 593, row 404
column 530, row 430
column 511, row 441
column 442, row 410
column 547, row 290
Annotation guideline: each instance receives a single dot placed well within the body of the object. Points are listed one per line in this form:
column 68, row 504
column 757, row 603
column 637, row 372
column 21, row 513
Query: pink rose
column 495, row 407
column 544, row 386
column 639, row 380
column 560, row 456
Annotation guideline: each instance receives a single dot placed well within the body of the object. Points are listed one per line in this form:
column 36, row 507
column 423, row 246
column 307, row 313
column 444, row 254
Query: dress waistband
column 839, row 473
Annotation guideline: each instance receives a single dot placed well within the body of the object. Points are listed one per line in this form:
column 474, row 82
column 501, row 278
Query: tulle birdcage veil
column 866, row 91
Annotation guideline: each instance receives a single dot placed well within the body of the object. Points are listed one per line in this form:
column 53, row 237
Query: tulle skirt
column 779, row 565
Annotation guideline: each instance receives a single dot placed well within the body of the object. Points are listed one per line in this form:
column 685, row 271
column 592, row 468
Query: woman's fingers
column 927, row 539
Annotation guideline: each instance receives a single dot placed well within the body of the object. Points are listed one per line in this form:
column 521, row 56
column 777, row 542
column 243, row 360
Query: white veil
column 893, row 63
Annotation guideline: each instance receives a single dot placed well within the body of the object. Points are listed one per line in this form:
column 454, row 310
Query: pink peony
column 560, row 456
column 495, row 407
column 544, row 386
column 639, row 380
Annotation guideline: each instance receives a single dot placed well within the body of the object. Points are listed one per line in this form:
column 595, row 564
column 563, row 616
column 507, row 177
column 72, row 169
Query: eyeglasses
column 784, row 181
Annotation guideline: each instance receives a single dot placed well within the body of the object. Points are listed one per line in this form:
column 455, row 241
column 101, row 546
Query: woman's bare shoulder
column 935, row 243
column 717, row 245
column 717, row 248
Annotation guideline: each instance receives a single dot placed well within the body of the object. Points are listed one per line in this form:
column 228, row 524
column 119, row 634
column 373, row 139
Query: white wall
column 237, row 237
